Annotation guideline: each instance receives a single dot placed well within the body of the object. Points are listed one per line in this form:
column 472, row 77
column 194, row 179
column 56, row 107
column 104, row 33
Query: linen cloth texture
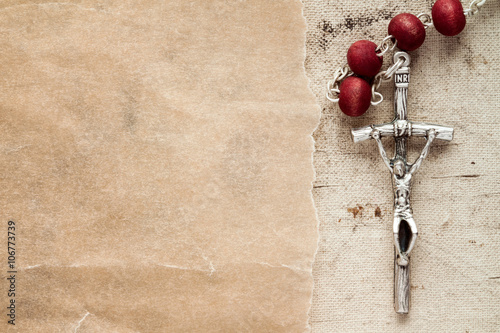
column 455, row 277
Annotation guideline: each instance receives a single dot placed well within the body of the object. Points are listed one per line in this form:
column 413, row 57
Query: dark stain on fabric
column 378, row 212
column 417, row 287
column 469, row 56
column 329, row 30
column 358, row 210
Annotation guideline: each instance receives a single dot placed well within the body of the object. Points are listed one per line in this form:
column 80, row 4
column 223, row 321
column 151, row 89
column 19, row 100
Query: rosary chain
column 388, row 44
column 332, row 90
column 474, row 7
column 426, row 19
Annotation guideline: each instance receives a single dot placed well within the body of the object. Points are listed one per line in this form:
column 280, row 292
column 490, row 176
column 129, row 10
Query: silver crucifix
column 404, row 227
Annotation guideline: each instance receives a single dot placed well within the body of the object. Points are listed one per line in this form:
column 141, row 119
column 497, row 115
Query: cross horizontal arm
column 417, row 129
column 364, row 133
column 442, row 132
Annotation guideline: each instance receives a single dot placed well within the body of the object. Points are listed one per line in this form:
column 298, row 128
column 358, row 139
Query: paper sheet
column 157, row 163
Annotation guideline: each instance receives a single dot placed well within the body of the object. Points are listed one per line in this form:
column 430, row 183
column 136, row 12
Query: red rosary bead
column 362, row 58
column 448, row 17
column 355, row 96
column 408, row 31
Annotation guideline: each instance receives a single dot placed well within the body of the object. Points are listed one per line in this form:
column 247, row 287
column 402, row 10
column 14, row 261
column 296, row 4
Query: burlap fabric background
column 455, row 267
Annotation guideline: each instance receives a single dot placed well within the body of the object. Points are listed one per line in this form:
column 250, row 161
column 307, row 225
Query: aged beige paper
column 157, row 163
column 455, row 280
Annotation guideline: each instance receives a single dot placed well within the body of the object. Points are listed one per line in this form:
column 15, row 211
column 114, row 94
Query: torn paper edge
column 304, row 55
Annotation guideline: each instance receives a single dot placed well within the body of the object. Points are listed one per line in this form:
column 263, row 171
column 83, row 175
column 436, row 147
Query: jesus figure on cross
column 402, row 173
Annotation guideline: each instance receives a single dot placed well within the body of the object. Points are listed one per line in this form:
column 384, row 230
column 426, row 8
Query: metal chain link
column 474, row 7
column 332, row 90
column 387, row 45
column 426, row 20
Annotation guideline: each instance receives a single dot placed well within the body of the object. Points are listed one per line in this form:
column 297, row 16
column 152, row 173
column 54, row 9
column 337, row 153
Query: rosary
column 354, row 87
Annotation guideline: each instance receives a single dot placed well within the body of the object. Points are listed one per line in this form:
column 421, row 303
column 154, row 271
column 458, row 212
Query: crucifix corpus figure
column 402, row 172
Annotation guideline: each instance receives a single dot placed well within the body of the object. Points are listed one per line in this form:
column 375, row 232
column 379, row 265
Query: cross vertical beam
column 401, row 273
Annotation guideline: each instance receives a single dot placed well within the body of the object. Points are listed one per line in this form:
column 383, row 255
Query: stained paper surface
column 157, row 162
